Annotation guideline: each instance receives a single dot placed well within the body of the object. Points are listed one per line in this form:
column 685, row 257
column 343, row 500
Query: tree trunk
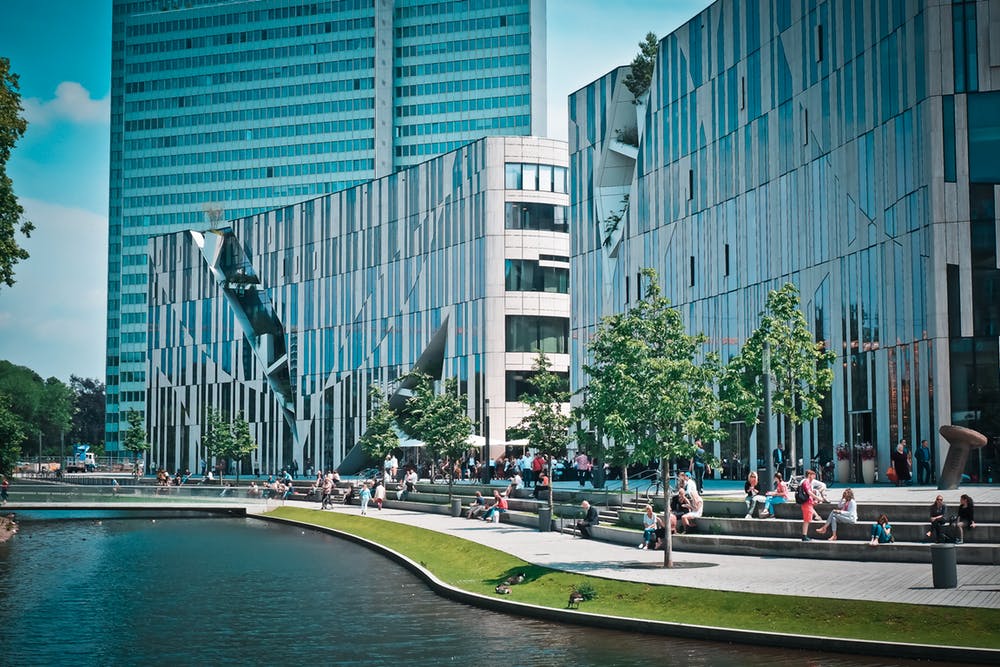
column 624, row 477
column 791, row 446
column 668, row 556
column 552, row 480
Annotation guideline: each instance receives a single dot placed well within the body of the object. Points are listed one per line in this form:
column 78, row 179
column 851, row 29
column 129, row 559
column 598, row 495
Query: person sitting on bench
column 590, row 519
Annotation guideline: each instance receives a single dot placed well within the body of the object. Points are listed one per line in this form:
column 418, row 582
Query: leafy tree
column 440, row 421
column 243, row 443
column 546, row 426
column 12, row 127
column 88, row 419
column 12, row 434
column 799, row 364
column 637, row 81
column 217, row 435
column 380, row 437
column 647, row 389
column 45, row 407
column 135, row 440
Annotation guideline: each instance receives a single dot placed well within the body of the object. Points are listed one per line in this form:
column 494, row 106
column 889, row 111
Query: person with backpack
column 806, row 497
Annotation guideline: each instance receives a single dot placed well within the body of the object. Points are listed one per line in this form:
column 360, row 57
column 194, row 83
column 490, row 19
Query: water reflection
column 102, row 591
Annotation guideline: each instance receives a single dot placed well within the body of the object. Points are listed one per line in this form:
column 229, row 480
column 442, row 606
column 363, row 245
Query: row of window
column 453, row 7
column 235, row 194
column 251, row 95
column 534, row 333
column 261, row 152
column 242, row 18
column 256, row 134
column 458, row 45
column 527, row 275
column 251, row 75
column 465, row 104
column 466, row 125
column 435, row 148
column 464, row 85
column 202, row 119
column 466, row 25
column 241, row 175
column 251, row 36
column 542, row 177
column 226, row 59
column 468, row 65
column 536, row 217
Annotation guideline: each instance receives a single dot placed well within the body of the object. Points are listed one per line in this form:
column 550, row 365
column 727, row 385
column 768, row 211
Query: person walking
column 697, row 465
column 923, row 463
column 4, row 486
column 807, row 498
column 366, row 497
column 901, row 463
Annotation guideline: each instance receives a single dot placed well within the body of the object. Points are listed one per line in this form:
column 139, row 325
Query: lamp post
column 484, row 463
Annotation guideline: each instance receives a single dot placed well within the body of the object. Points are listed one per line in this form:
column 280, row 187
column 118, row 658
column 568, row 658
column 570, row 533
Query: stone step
column 786, row 528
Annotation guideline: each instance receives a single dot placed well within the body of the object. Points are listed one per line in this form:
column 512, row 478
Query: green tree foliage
column 88, row 419
column 799, row 364
column 12, row 128
column 637, row 81
column 650, row 388
column 135, row 440
column 228, row 440
column 380, row 437
column 12, row 434
column 45, row 407
column 545, row 425
column 439, row 420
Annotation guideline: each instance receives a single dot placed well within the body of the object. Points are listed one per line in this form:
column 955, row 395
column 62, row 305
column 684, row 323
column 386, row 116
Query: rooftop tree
column 641, row 74
column 650, row 388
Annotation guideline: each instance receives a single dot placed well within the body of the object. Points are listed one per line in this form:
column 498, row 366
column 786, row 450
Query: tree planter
column 844, row 471
column 868, row 470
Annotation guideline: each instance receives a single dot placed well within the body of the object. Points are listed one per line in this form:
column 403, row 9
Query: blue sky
column 53, row 319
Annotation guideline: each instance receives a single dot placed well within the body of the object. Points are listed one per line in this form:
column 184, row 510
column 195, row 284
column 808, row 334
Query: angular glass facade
column 221, row 110
column 289, row 315
column 846, row 146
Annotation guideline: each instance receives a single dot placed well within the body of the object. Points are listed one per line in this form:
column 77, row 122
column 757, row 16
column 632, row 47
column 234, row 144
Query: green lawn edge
column 478, row 569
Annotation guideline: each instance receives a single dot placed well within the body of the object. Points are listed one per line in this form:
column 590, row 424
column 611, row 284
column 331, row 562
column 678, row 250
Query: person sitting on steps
column 590, row 519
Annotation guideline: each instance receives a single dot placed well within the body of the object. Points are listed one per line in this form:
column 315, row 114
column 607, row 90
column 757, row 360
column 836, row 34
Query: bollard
column 456, row 507
column 944, row 565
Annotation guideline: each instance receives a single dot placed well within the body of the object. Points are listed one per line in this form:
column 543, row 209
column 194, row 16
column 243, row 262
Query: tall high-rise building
column 222, row 109
column 847, row 146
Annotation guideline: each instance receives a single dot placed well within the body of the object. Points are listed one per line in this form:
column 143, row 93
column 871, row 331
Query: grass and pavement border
column 469, row 572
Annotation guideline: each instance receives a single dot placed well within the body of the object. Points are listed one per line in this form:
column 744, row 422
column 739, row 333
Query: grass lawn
column 479, row 569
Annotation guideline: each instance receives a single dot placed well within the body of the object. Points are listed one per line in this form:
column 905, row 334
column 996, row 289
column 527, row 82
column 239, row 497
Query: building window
column 691, row 278
column 536, row 217
column 533, row 333
column 948, row 130
column 963, row 18
column 528, row 275
column 519, row 385
column 512, row 179
column 984, row 137
column 690, row 184
column 727, row 260
column 540, row 177
column 819, row 43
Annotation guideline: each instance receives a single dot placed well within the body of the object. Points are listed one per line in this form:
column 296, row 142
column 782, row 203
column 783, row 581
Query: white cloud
column 72, row 102
column 53, row 319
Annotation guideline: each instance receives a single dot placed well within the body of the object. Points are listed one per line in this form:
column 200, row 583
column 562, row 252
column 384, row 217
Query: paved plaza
column 979, row 585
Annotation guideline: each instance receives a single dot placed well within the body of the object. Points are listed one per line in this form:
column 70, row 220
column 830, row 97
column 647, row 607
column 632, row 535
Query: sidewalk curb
column 664, row 628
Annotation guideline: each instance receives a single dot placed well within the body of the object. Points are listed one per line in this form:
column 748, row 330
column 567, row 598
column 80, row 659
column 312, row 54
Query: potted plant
column 843, row 463
column 866, row 451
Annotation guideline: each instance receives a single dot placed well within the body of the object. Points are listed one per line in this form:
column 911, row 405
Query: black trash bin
column 944, row 565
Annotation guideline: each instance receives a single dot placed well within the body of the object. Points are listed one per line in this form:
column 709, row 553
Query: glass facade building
column 288, row 316
column 225, row 108
column 847, row 146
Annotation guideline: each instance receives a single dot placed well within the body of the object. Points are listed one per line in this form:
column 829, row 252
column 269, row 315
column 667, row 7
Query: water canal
column 105, row 590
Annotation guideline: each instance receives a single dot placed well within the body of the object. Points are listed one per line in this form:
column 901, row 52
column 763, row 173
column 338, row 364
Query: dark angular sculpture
column 961, row 441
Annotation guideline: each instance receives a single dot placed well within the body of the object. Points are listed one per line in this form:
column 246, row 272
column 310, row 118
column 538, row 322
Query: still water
column 106, row 590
